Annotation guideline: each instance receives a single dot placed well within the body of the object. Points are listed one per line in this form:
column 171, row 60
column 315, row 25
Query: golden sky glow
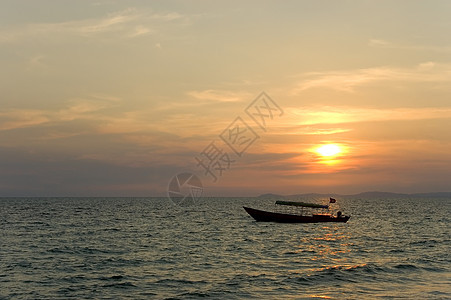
column 115, row 98
column 328, row 150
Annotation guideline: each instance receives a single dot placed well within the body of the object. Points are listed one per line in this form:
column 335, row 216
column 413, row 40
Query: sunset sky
column 114, row 98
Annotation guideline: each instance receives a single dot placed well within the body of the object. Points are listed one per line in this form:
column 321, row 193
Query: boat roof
column 302, row 204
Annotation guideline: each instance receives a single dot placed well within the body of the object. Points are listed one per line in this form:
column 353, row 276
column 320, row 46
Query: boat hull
column 266, row 216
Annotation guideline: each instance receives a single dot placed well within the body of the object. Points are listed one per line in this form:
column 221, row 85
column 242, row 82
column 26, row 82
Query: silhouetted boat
column 300, row 216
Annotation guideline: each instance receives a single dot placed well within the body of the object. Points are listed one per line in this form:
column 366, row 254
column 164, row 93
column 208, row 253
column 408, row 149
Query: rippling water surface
column 144, row 248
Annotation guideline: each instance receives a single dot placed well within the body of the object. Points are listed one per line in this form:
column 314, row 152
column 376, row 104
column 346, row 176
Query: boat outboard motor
column 338, row 214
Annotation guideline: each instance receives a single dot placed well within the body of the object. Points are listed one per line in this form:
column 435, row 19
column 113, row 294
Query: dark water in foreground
column 117, row 248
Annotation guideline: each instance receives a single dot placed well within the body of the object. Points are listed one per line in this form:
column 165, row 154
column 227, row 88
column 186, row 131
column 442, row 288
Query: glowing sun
column 328, row 150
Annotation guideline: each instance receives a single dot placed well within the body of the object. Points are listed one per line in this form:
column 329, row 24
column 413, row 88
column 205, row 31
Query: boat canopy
column 302, row 204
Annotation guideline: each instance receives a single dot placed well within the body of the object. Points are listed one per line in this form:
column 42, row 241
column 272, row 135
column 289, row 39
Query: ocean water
column 148, row 248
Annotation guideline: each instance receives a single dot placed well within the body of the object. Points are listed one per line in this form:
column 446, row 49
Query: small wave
column 126, row 284
column 347, row 273
column 112, row 229
column 420, row 242
column 290, row 253
column 58, row 250
column 406, row 267
column 44, row 224
column 237, row 281
column 74, row 279
column 367, row 268
column 435, row 269
column 113, row 277
column 397, row 251
column 180, row 281
column 89, row 250
column 80, row 250
column 194, row 295
column 427, row 243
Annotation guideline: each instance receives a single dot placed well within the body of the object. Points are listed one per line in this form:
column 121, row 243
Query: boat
column 303, row 213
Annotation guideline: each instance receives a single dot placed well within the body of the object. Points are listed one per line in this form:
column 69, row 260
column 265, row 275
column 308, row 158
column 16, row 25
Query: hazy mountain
column 360, row 195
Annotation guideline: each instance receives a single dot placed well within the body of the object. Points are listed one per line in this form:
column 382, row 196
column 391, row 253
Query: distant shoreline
column 362, row 195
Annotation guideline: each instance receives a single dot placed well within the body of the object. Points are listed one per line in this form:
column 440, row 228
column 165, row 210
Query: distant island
column 360, row 195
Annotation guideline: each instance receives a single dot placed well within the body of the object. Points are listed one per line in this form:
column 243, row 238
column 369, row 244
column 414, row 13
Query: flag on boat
column 332, row 200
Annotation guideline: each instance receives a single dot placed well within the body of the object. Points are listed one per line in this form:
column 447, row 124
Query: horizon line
column 241, row 196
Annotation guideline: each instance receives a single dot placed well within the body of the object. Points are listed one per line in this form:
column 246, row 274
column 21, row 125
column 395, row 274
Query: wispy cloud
column 349, row 80
column 76, row 109
column 219, row 95
column 312, row 130
column 140, row 31
column 109, row 23
column 105, row 115
column 167, row 16
column 340, row 115
column 14, row 119
column 86, row 27
column 380, row 43
column 127, row 23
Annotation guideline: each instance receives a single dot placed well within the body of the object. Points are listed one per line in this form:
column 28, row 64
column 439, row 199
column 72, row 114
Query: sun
column 328, row 150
